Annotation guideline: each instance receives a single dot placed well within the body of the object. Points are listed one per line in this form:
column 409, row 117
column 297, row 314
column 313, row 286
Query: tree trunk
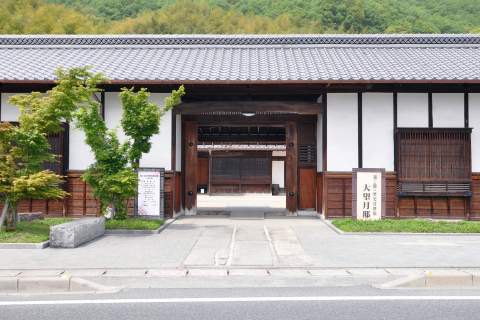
column 11, row 217
column 6, row 205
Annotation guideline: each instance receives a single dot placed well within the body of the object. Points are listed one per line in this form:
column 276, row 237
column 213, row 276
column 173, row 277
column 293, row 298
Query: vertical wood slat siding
column 81, row 202
column 337, row 195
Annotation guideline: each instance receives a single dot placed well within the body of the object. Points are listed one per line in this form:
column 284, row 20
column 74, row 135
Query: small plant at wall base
column 24, row 148
column 113, row 175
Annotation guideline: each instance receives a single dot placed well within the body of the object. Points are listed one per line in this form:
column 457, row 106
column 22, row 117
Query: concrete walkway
column 223, row 243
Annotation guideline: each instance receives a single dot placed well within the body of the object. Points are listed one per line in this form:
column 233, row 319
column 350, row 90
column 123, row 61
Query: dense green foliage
column 133, row 224
column 239, row 16
column 24, row 148
column 31, row 231
column 112, row 176
column 407, row 225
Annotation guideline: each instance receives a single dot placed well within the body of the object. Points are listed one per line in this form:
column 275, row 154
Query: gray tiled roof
column 246, row 58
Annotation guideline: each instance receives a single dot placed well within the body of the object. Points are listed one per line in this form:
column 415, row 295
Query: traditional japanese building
column 292, row 113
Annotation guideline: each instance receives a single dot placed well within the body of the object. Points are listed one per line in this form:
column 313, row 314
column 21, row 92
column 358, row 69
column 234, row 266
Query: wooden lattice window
column 433, row 160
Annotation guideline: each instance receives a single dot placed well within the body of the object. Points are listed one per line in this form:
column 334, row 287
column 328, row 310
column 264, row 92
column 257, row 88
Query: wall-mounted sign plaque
column 368, row 194
column 150, row 197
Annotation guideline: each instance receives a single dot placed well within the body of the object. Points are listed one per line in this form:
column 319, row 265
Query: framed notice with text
column 368, row 194
column 150, row 195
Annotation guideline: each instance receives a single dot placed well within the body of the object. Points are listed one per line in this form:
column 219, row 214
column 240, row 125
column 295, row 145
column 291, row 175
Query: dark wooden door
column 190, row 175
column 291, row 167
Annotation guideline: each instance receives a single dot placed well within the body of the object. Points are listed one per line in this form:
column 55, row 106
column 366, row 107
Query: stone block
column 207, row 272
column 30, row 216
column 167, row 273
column 249, row 272
column 448, row 278
column 8, row 284
column 43, row 284
column 329, row 273
column 72, row 234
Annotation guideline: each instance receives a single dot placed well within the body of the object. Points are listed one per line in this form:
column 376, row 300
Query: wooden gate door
column 190, row 185
column 291, row 167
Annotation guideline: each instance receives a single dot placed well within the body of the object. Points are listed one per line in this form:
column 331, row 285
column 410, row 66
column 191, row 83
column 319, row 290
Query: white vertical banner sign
column 150, row 192
column 368, row 194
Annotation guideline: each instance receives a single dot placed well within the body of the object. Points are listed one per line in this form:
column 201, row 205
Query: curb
column 40, row 245
column 435, row 279
column 41, row 285
column 140, row 232
column 344, row 233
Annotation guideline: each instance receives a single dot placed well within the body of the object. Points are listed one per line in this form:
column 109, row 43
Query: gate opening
column 241, row 168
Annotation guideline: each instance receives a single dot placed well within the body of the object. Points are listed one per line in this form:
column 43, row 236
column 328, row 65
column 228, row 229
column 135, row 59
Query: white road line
column 242, row 299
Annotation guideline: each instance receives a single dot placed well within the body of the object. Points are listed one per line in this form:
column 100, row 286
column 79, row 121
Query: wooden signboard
column 150, row 195
column 368, row 194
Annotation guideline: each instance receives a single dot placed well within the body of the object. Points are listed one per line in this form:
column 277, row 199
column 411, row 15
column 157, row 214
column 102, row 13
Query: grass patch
column 407, row 225
column 133, row 224
column 31, row 231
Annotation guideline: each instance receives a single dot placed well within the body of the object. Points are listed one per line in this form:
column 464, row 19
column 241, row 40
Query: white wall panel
column 278, row 173
column 447, row 110
column 113, row 113
column 377, row 131
column 474, row 122
column 412, row 110
column 160, row 154
column 8, row 112
column 342, row 131
column 80, row 154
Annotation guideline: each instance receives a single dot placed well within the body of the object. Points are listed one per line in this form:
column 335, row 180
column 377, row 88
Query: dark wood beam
column 249, row 106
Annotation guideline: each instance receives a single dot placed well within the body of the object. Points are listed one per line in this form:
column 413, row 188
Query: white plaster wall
column 319, row 143
column 474, row 122
column 377, row 131
column 8, row 112
column 160, row 154
column 342, row 131
column 447, row 110
column 178, row 137
column 412, row 110
column 113, row 113
column 278, row 173
column 80, row 154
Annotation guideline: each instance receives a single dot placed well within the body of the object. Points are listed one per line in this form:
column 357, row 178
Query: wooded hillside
column 239, row 16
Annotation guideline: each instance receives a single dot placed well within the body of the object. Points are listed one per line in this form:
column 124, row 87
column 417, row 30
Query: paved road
column 222, row 242
column 267, row 303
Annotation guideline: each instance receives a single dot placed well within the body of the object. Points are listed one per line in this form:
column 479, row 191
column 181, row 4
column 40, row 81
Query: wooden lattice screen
column 434, row 160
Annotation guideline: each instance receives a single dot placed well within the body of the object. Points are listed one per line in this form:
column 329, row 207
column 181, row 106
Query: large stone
column 30, row 216
column 72, row 234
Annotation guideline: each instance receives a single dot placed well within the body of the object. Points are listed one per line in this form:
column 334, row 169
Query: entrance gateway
column 240, row 147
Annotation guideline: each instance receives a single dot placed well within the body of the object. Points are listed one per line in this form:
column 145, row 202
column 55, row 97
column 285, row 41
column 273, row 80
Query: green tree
column 24, row 149
column 112, row 176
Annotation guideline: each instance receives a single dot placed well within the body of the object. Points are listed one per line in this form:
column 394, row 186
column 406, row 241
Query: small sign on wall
column 368, row 194
column 150, row 196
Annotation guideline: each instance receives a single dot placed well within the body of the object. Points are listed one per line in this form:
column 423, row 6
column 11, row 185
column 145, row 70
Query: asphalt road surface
column 263, row 303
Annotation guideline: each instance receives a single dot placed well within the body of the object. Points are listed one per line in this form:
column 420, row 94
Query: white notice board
column 368, row 194
column 150, row 196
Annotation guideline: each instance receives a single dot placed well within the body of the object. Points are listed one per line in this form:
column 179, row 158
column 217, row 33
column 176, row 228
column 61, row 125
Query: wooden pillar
column 291, row 167
column 190, row 174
